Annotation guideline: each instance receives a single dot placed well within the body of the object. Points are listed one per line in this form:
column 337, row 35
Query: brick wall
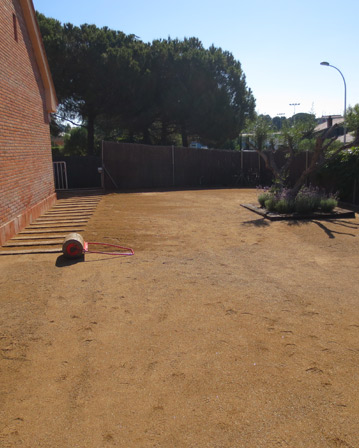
column 26, row 176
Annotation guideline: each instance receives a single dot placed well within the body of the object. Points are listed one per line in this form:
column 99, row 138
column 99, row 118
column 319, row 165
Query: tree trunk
column 269, row 162
column 311, row 168
column 164, row 133
column 90, row 135
column 184, row 135
column 146, row 136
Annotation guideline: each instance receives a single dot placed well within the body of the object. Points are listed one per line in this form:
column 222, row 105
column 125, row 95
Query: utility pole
column 345, row 96
column 294, row 104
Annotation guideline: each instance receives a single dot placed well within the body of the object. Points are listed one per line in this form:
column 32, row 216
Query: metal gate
column 60, row 175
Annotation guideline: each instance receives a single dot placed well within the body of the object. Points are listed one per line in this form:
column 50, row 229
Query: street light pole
column 345, row 96
column 294, row 104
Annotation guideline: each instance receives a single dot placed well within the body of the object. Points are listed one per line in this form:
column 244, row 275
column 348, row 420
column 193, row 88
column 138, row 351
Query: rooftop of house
column 329, row 120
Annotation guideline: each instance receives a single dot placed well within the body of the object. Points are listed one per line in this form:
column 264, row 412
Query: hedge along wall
column 26, row 175
column 341, row 176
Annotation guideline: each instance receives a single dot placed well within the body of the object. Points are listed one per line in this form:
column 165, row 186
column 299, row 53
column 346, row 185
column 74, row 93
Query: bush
column 328, row 204
column 75, row 142
column 303, row 205
column 270, row 204
column 307, row 200
column 341, row 173
column 263, row 197
column 284, row 206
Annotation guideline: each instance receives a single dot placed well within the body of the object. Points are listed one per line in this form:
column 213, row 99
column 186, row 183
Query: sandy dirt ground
column 223, row 331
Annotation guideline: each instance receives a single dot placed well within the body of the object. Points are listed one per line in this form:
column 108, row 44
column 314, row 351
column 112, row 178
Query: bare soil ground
column 223, row 331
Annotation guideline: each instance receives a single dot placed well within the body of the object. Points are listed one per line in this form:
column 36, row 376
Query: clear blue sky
column 280, row 43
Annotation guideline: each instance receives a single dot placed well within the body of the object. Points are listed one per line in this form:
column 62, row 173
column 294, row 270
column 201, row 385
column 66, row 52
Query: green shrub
column 328, row 204
column 263, row 197
column 308, row 200
column 340, row 173
column 315, row 201
column 75, row 142
column 270, row 204
column 284, row 206
column 302, row 205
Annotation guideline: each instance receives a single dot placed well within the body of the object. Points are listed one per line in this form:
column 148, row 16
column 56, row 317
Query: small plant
column 270, row 204
column 303, row 205
column 263, row 197
column 328, row 204
column 284, row 206
column 308, row 199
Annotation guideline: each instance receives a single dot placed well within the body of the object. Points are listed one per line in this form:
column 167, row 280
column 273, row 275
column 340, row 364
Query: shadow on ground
column 330, row 232
column 324, row 226
column 262, row 222
column 62, row 261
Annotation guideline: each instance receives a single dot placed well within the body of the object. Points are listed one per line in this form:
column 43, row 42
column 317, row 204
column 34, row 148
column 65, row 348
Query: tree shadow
column 330, row 232
column 298, row 222
column 350, row 225
column 262, row 222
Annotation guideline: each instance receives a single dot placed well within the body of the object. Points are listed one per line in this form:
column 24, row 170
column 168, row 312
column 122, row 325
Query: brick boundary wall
column 26, row 173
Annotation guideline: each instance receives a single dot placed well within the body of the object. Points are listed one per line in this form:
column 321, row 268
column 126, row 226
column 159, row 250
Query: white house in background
column 330, row 120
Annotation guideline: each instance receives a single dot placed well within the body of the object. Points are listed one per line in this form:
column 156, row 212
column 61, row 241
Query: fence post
column 105, row 170
column 306, row 165
column 259, row 169
column 173, row 165
column 354, row 191
column 102, row 170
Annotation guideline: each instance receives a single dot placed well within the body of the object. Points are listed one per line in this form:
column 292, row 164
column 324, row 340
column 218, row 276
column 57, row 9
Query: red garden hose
column 124, row 254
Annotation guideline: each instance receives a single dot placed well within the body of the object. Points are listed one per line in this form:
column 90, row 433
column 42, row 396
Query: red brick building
column 27, row 96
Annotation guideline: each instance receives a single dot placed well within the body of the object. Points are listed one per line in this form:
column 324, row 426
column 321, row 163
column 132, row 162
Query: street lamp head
column 345, row 93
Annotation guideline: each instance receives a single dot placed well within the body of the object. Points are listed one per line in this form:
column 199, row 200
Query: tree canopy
column 297, row 135
column 165, row 92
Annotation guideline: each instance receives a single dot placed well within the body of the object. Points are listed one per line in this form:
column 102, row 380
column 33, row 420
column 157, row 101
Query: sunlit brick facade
column 26, row 98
